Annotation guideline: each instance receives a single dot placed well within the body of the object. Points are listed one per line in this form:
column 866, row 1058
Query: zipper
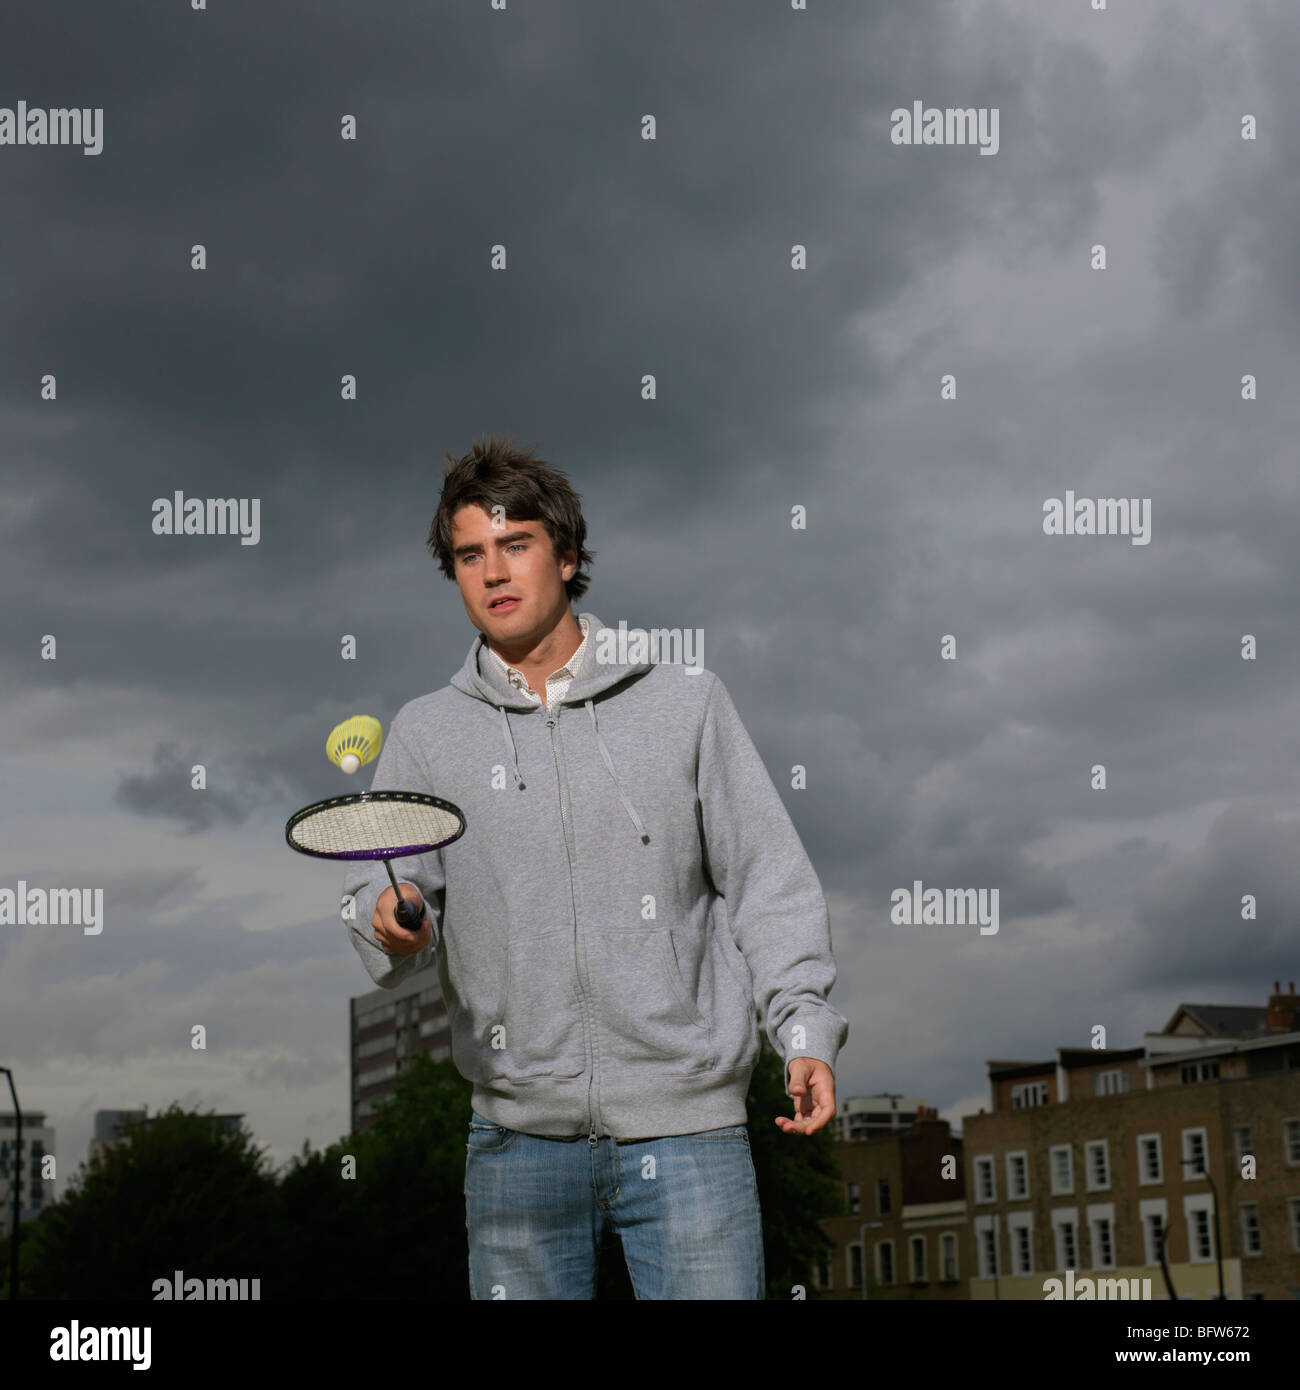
column 584, row 988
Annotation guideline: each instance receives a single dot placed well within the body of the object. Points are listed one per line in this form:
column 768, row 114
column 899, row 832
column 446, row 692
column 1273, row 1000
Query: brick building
column 905, row 1199
column 1086, row 1160
column 863, row 1117
column 388, row 1028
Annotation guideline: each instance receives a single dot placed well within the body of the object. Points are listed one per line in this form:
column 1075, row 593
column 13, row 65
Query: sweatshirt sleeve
column 774, row 902
column 397, row 769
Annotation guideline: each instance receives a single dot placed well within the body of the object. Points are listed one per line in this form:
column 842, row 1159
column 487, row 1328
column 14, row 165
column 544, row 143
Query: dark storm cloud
column 168, row 792
column 1188, row 928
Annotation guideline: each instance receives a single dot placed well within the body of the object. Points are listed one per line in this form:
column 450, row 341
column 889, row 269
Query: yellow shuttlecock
column 354, row 742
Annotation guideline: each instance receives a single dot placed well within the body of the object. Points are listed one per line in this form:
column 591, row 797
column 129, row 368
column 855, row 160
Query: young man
column 629, row 887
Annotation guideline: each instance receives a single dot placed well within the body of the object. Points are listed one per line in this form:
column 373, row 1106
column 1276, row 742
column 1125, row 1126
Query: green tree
column 178, row 1194
column 397, row 1228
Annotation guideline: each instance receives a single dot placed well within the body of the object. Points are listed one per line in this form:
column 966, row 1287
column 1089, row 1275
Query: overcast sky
column 776, row 387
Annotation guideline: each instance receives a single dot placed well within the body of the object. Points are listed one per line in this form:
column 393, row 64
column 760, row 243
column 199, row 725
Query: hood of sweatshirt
column 483, row 679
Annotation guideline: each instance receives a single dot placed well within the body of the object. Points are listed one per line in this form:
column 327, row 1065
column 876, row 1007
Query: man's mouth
column 503, row 605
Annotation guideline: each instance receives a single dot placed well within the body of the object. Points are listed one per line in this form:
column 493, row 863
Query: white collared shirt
column 557, row 683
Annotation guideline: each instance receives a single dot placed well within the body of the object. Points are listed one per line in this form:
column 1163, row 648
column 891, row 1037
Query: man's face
column 513, row 558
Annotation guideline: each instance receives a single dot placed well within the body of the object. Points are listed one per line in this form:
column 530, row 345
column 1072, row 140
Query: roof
column 1266, row 1041
column 1072, row 1058
column 1005, row 1069
column 1221, row 1020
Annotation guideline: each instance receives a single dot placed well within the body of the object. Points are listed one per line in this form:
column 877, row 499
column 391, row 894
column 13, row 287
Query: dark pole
column 997, row 1255
column 1218, row 1245
column 1164, row 1263
column 18, row 1192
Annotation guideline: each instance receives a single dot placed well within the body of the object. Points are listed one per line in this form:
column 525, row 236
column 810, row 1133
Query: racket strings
column 374, row 827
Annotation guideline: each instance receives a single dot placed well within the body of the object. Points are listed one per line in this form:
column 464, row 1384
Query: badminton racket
column 377, row 825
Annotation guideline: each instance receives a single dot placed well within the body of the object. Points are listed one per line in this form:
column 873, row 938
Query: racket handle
column 409, row 915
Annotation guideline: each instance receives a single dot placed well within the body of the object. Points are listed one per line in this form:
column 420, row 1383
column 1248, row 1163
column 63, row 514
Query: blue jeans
column 685, row 1208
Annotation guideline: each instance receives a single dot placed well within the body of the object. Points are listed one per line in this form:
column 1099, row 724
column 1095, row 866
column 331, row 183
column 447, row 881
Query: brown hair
column 497, row 473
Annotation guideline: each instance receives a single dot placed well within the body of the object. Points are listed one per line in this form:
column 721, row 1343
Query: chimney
column 1283, row 1009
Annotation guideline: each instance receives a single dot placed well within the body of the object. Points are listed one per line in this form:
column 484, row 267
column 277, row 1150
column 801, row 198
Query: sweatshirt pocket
column 644, row 1008
column 543, row 1034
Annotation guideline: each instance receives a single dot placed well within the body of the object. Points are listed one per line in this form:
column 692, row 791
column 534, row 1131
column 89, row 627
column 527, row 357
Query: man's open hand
column 812, row 1085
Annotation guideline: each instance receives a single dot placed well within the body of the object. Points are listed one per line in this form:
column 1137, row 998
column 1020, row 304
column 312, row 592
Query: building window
column 1017, row 1176
column 916, row 1248
column 1062, row 1162
column 988, row 1247
column 1096, row 1160
column 1243, row 1142
column 1198, row 1071
column 1110, row 1083
column 1199, row 1244
column 1022, row 1242
column 1103, row 1247
column 1291, row 1142
column 377, row 1075
column 885, row 1261
column 1067, row 1250
column 1027, row 1094
column 882, row 1196
column 1153, row 1225
column 855, row 1196
column 948, row 1254
column 1250, row 1242
column 1195, row 1153
column 822, row 1272
column 1104, row 1250
column 1150, row 1167
column 855, row 1265
column 1293, row 1210
column 985, row 1184
column 379, row 1015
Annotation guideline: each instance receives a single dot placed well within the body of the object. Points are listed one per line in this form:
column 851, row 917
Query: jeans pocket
column 735, row 1134
column 487, row 1138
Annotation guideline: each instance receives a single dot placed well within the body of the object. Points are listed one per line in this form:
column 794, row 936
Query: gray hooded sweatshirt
column 628, row 891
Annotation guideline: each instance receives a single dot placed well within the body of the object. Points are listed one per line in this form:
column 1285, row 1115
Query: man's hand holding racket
column 391, row 935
